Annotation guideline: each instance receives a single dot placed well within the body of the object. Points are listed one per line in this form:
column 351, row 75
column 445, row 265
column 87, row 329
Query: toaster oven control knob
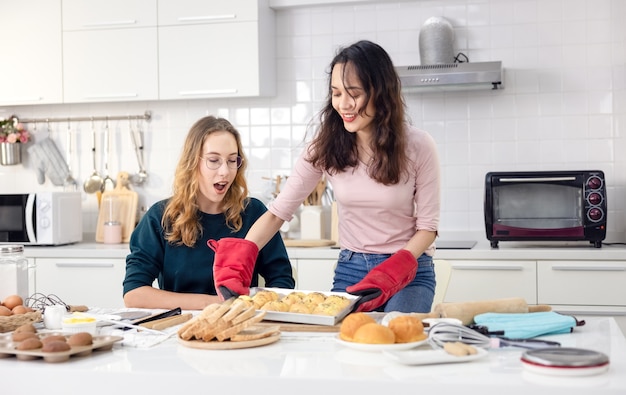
column 594, row 183
column 594, row 198
column 595, row 214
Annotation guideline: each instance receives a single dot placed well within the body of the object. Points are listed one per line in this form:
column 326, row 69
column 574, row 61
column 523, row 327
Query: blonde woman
column 209, row 202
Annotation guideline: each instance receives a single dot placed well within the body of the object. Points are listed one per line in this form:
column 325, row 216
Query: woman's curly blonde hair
column 181, row 216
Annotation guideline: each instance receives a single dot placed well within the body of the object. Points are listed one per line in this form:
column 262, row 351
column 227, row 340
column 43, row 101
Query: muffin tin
column 100, row 343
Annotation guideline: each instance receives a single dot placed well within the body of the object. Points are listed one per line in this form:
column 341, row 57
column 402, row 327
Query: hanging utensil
column 70, row 182
column 137, row 138
column 49, row 160
column 94, row 183
column 108, row 183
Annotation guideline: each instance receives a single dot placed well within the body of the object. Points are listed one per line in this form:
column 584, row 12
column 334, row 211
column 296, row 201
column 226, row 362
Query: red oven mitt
column 384, row 281
column 233, row 266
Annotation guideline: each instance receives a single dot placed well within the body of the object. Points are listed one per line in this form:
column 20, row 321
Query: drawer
column 484, row 280
column 585, row 283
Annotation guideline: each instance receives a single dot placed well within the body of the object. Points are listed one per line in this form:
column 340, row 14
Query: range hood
column 452, row 76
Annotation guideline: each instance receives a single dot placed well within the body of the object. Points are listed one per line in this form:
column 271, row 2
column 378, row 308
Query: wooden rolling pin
column 465, row 311
column 167, row 322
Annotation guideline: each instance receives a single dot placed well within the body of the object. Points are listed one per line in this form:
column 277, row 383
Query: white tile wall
column 563, row 106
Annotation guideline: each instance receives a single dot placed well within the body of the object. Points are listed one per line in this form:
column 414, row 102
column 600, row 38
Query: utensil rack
column 147, row 116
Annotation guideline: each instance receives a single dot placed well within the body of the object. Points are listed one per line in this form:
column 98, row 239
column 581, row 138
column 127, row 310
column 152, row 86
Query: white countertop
column 482, row 250
column 310, row 363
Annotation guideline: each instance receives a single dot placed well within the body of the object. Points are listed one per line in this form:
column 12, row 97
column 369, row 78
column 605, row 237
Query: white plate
column 380, row 347
column 431, row 357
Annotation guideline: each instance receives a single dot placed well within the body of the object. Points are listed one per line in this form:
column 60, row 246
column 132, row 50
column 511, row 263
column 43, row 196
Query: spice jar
column 14, row 271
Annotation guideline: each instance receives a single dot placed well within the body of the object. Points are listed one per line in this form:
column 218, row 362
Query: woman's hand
column 384, row 281
column 233, row 266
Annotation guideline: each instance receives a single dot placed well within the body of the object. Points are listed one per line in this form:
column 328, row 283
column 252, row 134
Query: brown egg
column 5, row 311
column 19, row 309
column 12, row 300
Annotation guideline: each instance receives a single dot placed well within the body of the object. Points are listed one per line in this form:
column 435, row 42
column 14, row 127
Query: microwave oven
column 41, row 218
column 545, row 205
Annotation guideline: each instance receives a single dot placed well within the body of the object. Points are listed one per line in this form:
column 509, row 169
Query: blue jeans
column 416, row 297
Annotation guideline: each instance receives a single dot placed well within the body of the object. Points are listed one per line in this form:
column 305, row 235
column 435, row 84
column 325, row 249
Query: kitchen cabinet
column 31, row 70
column 314, row 274
column 595, row 284
column 215, row 49
column 82, row 281
column 110, row 50
column 493, row 279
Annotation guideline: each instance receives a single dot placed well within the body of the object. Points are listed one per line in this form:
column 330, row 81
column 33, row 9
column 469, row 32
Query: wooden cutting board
column 294, row 327
column 128, row 201
column 229, row 345
column 308, row 243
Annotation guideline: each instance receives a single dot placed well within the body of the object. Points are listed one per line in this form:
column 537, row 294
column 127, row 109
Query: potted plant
column 12, row 136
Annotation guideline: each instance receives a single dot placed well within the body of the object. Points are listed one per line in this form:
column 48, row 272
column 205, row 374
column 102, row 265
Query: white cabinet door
column 90, row 281
column 108, row 14
column 215, row 49
column 31, row 66
column 176, row 12
column 316, row 274
column 588, row 283
column 109, row 51
column 483, row 280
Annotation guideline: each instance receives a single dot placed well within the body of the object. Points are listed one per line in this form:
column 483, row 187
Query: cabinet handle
column 111, row 23
column 206, row 18
column 89, row 265
column 21, row 99
column 111, row 96
column 589, row 268
column 476, row 267
column 207, row 92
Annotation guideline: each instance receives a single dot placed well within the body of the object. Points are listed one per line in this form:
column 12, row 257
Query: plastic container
column 14, row 271
column 112, row 230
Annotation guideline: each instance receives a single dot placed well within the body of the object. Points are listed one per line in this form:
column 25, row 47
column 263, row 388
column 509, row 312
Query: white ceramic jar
column 311, row 223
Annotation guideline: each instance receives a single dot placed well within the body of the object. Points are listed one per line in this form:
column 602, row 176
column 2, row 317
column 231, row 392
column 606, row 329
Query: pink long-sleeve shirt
column 374, row 218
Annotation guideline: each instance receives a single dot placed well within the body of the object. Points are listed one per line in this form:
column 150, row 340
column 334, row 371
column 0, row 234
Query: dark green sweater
column 190, row 270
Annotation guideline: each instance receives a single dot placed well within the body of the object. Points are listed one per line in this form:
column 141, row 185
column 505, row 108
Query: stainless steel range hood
column 452, row 76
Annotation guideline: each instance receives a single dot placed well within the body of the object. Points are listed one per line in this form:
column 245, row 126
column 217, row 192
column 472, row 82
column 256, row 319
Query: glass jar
column 14, row 271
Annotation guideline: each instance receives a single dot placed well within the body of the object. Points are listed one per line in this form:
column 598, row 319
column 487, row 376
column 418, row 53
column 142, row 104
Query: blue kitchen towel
column 527, row 325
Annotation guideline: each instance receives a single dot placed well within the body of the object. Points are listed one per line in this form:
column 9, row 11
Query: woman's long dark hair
column 334, row 148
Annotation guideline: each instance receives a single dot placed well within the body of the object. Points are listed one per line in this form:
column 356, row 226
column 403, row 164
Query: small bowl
column 75, row 324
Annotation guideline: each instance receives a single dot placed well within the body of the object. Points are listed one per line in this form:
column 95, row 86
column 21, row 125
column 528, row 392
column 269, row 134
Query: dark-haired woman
column 385, row 178
column 209, row 202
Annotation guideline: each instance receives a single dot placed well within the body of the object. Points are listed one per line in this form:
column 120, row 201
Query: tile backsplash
column 563, row 105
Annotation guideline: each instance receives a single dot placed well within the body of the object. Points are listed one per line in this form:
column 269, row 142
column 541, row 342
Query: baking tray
column 300, row 318
column 100, row 343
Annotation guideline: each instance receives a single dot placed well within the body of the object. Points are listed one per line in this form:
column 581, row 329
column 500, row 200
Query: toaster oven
column 545, row 205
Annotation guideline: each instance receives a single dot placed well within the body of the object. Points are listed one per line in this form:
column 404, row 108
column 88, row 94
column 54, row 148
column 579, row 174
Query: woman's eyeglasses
column 215, row 162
